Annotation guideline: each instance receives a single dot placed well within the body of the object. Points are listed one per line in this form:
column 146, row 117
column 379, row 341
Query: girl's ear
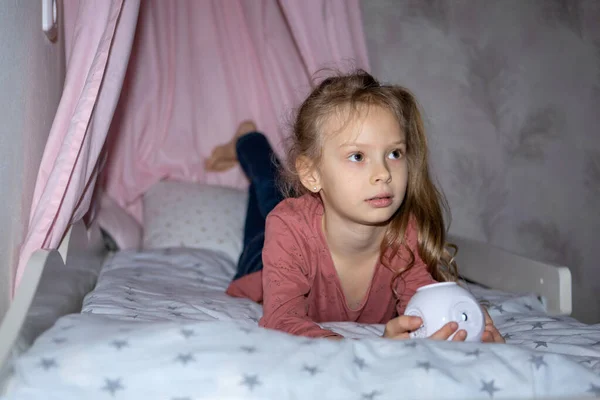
column 308, row 174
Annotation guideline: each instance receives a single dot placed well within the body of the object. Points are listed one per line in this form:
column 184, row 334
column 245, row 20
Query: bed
column 155, row 323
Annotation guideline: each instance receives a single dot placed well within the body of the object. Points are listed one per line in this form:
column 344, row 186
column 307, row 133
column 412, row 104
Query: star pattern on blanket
column 595, row 390
column 113, row 386
column 119, row 344
column 248, row 349
column 424, row 365
column 489, row 387
column 251, row 381
column 532, row 364
column 537, row 325
column 538, row 361
column 371, row 395
column 185, row 358
column 476, row 353
column 187, row 333
column 507, row 336
column 311, row 369
column 360, row 363
column 499, row 308
column 48, row 363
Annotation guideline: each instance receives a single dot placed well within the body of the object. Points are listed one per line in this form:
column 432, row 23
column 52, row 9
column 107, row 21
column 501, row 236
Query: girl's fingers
column 486, row 315
column 460, row 336
column 401, row 326
column 445, row 332
column 405, row 324
column 497, row 337
column 487, row 337
column 492, row 335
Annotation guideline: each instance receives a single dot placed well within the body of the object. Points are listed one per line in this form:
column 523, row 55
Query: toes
column 245, row 127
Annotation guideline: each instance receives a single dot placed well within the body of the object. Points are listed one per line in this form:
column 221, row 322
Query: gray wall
column 511, row 93
column 31, row 79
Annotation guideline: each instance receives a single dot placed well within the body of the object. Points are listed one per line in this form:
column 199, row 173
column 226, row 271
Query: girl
column 362, row 228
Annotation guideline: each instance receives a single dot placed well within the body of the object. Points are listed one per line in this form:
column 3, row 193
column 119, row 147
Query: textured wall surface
column 511, row 94
column 31, row 80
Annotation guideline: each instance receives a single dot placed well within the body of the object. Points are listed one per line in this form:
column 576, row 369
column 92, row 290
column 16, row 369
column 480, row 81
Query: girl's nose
column 381, row 173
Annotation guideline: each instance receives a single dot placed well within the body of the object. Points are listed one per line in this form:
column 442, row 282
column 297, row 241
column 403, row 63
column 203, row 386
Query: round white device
column 440, row 303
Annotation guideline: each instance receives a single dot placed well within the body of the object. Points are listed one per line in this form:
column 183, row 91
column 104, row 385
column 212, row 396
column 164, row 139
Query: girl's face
column 363, row 172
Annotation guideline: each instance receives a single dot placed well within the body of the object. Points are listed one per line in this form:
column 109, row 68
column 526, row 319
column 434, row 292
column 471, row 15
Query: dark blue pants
column 259, row 163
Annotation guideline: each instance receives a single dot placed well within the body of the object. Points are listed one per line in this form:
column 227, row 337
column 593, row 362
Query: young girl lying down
column 362, row 226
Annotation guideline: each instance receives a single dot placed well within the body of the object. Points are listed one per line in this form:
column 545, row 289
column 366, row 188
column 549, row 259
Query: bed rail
column 499, row 269
column 53, row 284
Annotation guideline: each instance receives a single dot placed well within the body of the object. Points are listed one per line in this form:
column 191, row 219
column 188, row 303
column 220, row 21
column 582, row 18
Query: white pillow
column 183, row 214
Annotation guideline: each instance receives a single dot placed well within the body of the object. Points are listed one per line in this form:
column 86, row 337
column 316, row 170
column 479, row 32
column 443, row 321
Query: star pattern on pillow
column 183, row 214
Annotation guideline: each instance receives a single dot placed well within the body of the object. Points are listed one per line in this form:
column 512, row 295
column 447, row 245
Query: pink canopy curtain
column 198, row 68
column 99, row 36
column 326, row 31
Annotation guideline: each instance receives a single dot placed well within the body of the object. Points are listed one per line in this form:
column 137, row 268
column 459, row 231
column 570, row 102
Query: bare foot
column 245, row 127
column 223, row 157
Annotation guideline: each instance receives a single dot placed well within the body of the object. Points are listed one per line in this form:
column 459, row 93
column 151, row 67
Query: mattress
column 159, row 326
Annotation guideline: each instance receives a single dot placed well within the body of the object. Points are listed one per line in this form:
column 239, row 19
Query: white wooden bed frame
column 54, row 284
column 56, row 281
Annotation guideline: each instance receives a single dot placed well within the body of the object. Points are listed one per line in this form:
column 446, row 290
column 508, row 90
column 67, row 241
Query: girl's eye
column 356, row 157
column 396, row 154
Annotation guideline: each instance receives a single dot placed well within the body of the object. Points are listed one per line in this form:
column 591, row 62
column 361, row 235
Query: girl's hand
column 400, row 328
column 491, row 333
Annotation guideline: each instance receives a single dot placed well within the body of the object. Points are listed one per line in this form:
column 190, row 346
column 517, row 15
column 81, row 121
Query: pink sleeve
column 415, row 277
column 286, row 282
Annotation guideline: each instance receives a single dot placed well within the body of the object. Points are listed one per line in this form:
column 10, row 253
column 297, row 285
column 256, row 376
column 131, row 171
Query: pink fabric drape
column 327, row 31
column 99, row 36
column 198, row 68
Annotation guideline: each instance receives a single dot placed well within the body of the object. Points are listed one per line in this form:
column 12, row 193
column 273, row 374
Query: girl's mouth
column 380, row 201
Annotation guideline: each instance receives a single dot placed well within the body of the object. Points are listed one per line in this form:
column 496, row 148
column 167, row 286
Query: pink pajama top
column 299, row 285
